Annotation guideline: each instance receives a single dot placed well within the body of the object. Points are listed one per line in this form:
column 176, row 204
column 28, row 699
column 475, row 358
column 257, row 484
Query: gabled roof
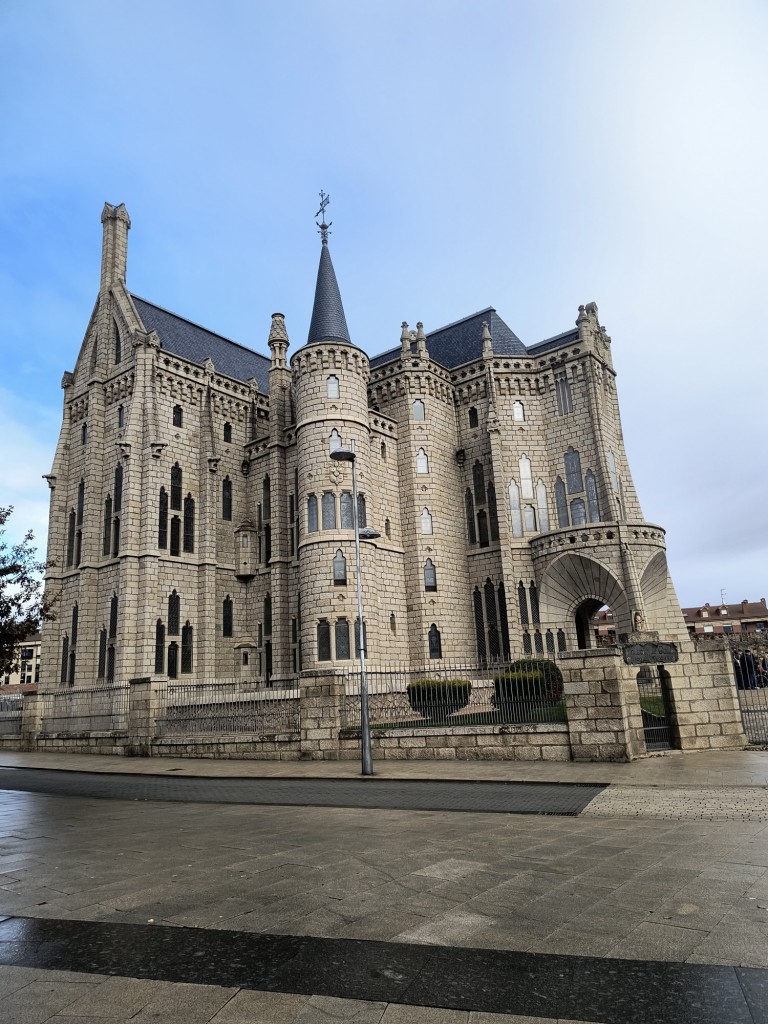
column 555, row 342
column 190, row 341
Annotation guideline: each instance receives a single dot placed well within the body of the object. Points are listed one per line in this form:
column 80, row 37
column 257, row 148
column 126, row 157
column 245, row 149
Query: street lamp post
column 366, row 533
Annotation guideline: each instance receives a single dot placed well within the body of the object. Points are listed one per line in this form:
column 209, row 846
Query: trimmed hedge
column 529, row 679
column 438, row 698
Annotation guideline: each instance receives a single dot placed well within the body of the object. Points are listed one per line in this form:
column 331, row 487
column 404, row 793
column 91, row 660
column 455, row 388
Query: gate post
column 321, row 695
column 707, row 711
column 31, row 719
column 601, row 699
column 141, row 717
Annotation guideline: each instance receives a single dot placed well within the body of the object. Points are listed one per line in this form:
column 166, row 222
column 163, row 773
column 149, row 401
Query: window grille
column 578, row 512
column 80, row 502
column 323, row 640
column 102, row 667
column 266, row 499
column 268, row 615
column 162, row 524
column 71, row 538
column 477, row 607
column 341, row 639
column 173, row 660
column 493, row 516
column 482, row 528
column 361, row 515
column 522, row 601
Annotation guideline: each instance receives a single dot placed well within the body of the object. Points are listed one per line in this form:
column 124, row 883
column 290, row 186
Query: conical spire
column 328, row 321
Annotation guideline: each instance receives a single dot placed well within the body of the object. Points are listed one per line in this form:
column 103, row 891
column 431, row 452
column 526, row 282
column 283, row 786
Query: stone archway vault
column 573, row 579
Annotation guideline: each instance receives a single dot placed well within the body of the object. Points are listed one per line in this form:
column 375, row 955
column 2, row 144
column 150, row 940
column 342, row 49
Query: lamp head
column 343, row 455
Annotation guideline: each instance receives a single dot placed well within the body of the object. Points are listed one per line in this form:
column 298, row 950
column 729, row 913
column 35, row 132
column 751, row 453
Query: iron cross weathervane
column 323, row 227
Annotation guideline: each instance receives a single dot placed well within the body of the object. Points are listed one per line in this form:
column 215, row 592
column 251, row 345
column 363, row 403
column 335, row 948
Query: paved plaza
column 649, row 903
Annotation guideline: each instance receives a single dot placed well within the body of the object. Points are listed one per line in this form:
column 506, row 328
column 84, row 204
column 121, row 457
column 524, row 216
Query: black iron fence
column 227, row 707
column 527, row 691
column 82, row 710
column 10, row 714
column 749, row 663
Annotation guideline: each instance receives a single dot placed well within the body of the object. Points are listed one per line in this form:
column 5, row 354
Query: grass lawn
column 509, row 715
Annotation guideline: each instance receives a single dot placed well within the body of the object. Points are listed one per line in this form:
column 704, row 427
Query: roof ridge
column 455, row 323
column 200, row 327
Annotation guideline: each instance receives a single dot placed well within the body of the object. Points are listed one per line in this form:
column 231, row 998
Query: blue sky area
column 528, row 154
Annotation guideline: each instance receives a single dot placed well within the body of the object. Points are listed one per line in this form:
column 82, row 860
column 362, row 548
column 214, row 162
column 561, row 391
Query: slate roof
column 328, row 321
column 190, row 341
column 555, row 342
column 462, row 341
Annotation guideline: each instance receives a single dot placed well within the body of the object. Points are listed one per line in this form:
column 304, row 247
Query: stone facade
column 196, row 513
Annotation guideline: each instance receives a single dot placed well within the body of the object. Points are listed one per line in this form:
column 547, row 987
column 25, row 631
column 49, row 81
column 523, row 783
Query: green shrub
column 529, row 679
column 438, row 698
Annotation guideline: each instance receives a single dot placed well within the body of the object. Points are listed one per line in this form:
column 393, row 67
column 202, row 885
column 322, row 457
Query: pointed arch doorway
column 583, row 622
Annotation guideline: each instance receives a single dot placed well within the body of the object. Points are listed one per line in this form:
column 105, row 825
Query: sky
column 529, row 155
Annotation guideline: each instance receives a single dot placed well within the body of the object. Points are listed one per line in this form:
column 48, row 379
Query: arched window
column 515, row 511
column 120, row 416
column 361, row 518
column 174, row 613
column 227, row 625
column 227, row 433
column 175, row 548
column 612, row 472
column 341, row 639
column 482, row 528
column 418, row 409
column 426, row 521
column 102, row 667
column 312, row 514
column 345, row 511
column 73, row 631
column 534, row 596
column 549, row 641
column 478, row 482
column 593, row 507
column 334, row 441
column 543, row 507
column 186, row 647
column 116, row 339
column 527, row 649
column 493, row 516
column 189, row 523
column 578, row 512
column 113, row 617
column 173, row 660
column 430, row 575
column 518, row 412
column 84, row 434
column 561, row 502
column 323, row 640
column 118, row 492
column 526, row 480
column 71, row 673
column 503, row 621
column 393, row 624
column 387, row 529
column 339, row 569
column 422, row 462
column 268, row 615
column 435, row 642
column 162, row 522
column 560, row 641
column 71, row 538
column 470, row 511
column 159, row 647
column 64, row 658
column 266, row 499
column 383, row 451
column 529, row 519
column 332, row 386
column 115, row 536
column 177, row 416
column 563, row 395
column 489, row 593
column 472, row 415
column 477, row 608
column 80, row 502
column 329, row 510
column 176, row 487
column 522, row 601
column 572, row 463
column 226, row 499
column 107, row 537
column 538, row 642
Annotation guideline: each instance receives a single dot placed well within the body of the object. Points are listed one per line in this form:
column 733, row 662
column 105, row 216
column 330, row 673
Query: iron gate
column 654, row 704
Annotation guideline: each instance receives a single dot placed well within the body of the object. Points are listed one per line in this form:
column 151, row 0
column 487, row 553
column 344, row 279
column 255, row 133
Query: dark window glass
column 578, row 512
column 592, row 503
column 323, row 640
column 534, row 594
column 341, row 638
column 549, row 640
column 78, row 546
column 227, row 433
column 116, row 536
column 173, row 660
column 430, row 575
column 538, row 642
column 522, row 600
column 470, row 509
column 226, row 499
column 267, row 545
column 329, row 511
column 73, row 631
column 227, row 616
column 80, row 502
column 477, row 605
column 562, row 503
column 84, row 434
column 312, row 514
column 118, row 499
column 159, row 647
column 494, row 648
column 71, row 538
column 527, row 649
column 490, row 602
column 177, row 416
column 121, row 416
column 118, row 346
column 560, row 641
column 107, row 546
column 268, row 615
column 189, row 523
column 175, row 535
column 64, row 659
column 71, row 673
column 572, row 463
column 176, row 487
column 478, row 482
column 174, row 614
column 339, row 569
column 503, row 621
column 110, row 663
column 102, row 653
column 473, row 417
column 435, row 642
column 113, row 617
column 266, row 500
column 482, row 528
column 361, row 514
column 186, row 648
column 345, row 508
column 493, row 518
